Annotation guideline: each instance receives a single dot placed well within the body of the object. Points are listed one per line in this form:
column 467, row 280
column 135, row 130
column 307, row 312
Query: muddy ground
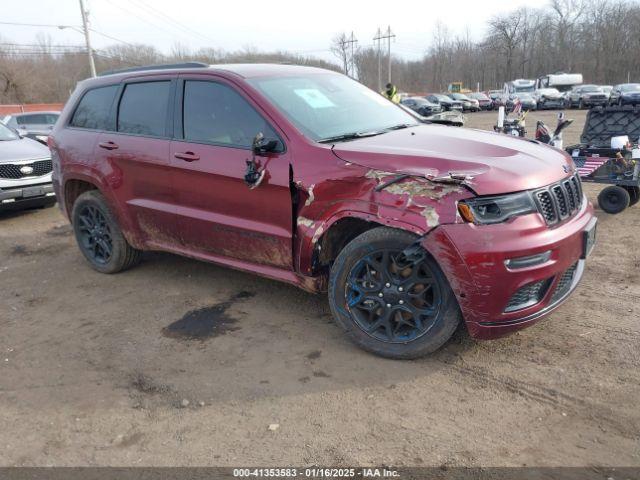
column 178, row 362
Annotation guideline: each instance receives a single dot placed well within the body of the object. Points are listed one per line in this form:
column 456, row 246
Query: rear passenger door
column 218, row 214
column 136, row 153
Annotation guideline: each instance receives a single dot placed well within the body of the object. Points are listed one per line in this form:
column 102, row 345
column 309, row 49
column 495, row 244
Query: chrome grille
column 12, row 170
column 559, row 201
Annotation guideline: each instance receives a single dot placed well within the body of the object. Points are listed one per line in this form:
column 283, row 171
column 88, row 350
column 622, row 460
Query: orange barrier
column 31, row 107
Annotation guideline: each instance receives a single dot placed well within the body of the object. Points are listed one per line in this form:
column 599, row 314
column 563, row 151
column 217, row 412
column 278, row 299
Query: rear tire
column 634, row 195
column 614, row 199
column 388, row 305
column 99, row 237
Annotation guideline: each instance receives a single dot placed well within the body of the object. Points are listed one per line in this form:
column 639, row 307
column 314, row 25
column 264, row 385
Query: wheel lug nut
column 380, row 295
column 373, row 272
column 401, row 302
column 400, row 289
column 387, row 285
column 388, row 305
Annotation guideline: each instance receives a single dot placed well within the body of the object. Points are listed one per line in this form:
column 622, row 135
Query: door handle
column 108, row 145
column 187, row 156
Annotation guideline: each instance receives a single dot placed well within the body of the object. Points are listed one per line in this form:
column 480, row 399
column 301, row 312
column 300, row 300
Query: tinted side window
column 93, row 110
column 143, row 108
column 215, row 113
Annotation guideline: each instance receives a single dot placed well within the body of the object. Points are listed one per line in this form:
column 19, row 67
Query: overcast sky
column 299, row 26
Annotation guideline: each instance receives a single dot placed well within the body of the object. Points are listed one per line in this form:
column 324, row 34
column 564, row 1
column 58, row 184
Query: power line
column 39, row 45
column 163, row 16
column 130, row 12
column 111, row 37
column 44, row 25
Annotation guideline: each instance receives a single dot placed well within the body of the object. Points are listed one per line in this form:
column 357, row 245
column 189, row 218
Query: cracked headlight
column 486, row 210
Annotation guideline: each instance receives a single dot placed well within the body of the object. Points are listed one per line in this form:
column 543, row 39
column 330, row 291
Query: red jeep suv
column 306, row 176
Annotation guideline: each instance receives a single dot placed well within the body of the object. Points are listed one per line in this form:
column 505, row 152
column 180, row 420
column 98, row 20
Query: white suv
column 25, row 172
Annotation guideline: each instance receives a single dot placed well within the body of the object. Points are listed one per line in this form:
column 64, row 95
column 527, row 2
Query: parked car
column 607, row 89
column 526, row 100
column 25, row 172
column 306, row 176
column 421, row 105
column 498, row 97
column 35, row 125
column 468, row 104
column 548, row 98
column 586, row 96
column 625, row 94
column 484, row 102
column 445, row 102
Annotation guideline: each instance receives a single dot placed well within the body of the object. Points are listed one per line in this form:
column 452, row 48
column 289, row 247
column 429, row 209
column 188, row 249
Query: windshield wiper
column 350, row 136
column 401, row 126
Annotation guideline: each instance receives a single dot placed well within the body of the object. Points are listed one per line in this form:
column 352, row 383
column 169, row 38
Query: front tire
column 99, row 237
column 614, row 199
column 388, row 304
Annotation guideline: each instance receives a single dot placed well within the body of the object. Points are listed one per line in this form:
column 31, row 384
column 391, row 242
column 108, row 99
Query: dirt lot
column 94, row 371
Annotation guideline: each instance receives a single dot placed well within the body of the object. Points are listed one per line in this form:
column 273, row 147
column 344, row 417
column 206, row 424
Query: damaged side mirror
column 262, row 145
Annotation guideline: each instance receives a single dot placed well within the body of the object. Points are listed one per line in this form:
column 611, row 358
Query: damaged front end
column 332, row 212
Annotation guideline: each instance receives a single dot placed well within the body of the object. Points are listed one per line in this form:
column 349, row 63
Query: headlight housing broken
column 496, row 209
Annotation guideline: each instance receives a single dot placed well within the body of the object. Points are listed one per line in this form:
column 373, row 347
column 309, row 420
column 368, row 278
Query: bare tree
column 339, row 47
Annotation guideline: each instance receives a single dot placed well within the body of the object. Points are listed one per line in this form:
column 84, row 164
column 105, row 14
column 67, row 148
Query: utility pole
column 352, row 41
column 389, row 36
column 379, row 37
column 87, row 40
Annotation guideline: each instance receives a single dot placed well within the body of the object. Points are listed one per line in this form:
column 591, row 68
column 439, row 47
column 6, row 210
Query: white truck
column 563, row 82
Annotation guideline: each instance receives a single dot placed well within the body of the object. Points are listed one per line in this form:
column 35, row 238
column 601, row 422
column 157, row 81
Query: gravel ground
column 94, row 369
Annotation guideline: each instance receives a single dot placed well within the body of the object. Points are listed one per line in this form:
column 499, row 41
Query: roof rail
column 166, row 66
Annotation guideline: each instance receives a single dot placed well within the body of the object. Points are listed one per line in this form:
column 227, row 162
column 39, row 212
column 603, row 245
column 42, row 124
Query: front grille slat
column 559, row 201
column 527, row 296
column 564, row 284
column 12, row 170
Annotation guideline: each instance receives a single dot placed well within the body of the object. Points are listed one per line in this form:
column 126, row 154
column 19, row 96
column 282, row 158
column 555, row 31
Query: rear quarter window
column 143, row 108
column 93, row 110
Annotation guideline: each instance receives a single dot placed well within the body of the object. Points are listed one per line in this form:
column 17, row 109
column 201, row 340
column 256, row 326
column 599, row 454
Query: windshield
column 329, row 105
column 442, row 98
column 632, row 87
column 591, row 88
column 7, row 134
column 459, row 96
column 523, row 96
column 523, row 88
column 548, row 91
column 479, row 96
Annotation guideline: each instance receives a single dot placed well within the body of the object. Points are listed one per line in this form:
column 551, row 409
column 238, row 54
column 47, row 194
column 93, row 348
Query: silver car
column 35, row 125
column 25, row 172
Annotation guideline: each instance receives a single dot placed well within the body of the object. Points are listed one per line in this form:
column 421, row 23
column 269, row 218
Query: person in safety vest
column 391, row 92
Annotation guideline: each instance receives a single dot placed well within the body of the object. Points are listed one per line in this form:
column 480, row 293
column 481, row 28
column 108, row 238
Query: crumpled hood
column 498, row 163
column 22, row 149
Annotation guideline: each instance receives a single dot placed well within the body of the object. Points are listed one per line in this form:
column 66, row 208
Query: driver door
column 217, row 213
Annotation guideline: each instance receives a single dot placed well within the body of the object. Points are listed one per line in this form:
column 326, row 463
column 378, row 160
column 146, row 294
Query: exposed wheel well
column 73, row 189
column 339, row 235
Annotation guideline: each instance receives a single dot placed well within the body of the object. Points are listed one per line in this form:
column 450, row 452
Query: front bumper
column 473, row 259
column 630, row 100
column 551, row 103
column 26, row 195
column 594, row 102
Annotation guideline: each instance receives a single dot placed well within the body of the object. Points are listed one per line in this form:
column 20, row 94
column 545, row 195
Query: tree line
column 598, row 38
